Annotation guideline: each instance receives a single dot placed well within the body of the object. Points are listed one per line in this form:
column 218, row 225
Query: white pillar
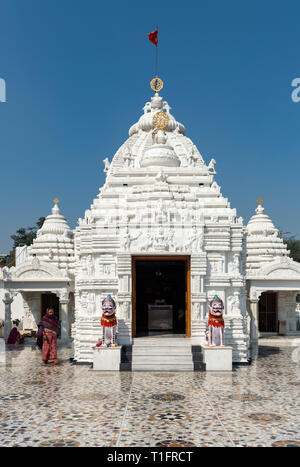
column 254, row 333
column 64, row 319
column 8, row 299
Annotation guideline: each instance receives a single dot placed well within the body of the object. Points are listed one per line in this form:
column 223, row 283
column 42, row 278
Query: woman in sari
column 48, row 329
column 14, row 335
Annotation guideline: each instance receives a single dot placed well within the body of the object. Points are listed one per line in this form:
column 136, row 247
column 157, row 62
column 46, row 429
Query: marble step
column 161, row 359
column 161, row 343
column 163, row 367
column 157, row 350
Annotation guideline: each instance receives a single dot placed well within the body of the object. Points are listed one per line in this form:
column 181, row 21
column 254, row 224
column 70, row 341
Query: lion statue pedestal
column 216, row 356
column 107, row 353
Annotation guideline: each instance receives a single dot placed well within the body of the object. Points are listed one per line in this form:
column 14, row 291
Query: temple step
column 165, row 354
column 163, row 367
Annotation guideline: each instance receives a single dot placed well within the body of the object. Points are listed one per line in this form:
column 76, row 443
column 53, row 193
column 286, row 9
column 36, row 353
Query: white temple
column 162, row 240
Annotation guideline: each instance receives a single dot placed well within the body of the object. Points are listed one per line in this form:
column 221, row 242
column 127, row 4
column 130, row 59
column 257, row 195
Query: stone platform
column 107, row 358
column 217, row 358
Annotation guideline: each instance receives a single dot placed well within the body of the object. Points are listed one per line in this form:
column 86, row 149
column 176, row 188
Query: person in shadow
column 14, row 335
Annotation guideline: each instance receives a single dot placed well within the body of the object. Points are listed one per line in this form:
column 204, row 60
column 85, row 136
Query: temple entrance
column 161, row 296
column 50, row 300
column 268, row 321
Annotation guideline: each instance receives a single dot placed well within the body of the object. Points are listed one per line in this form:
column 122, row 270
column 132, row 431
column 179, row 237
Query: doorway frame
column 187, row 260
column 269, row 292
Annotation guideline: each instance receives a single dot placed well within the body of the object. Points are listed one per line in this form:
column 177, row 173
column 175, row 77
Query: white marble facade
column 159, row 198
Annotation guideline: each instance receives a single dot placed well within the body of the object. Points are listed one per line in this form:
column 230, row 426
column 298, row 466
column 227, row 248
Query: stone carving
column 91, row 304
column 89, row 216
column 195, row 241
column 6, row 274
column 166, row 107
column 162, row 240
column 127, row 239
column 161, row 215
column 196, row 311
column 192, row 158
column 34, row 274
column 147, row 107
column 282, row 273
column 211, row 166
column 216, row 266
column 215, row 187
column 90, row 266
column 124, row 310
column 83, row 264
column 161, row 177
column 83, row 303
column 215, row 322
column 106, row 165
column 35, row 263
column 147, row 244
column 128, row 157
column 234, row 266
column 106, row 269
column 234, row 304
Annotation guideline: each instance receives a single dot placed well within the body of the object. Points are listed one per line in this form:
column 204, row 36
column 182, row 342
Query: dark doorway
column 160, row 297
column 50, row 300
column 268, row 312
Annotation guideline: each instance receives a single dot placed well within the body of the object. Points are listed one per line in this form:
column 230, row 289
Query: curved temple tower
column 160, row 204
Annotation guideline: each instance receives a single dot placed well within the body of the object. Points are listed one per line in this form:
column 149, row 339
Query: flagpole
column 156, row 57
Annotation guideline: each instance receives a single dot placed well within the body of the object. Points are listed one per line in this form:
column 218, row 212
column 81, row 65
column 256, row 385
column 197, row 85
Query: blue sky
column 77, row 74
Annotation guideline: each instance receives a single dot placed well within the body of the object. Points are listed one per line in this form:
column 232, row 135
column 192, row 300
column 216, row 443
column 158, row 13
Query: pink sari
column 47, row 337
column 49, row 345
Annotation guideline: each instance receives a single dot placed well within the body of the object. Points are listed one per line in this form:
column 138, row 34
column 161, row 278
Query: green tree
column 23, row 237
column 293, row 244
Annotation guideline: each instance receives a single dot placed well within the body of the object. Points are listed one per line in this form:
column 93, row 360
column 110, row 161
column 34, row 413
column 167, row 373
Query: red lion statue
column 215, row 322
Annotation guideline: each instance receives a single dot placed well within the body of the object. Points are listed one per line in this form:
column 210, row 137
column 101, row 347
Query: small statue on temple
column 215, row 322
column 109, row 323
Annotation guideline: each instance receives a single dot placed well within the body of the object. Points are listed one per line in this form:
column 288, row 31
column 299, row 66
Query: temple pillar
column 8, row 299
column 254, row 333
column 64, row 319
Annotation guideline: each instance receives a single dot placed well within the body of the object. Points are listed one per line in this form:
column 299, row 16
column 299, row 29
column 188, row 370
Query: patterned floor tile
column 72, row 406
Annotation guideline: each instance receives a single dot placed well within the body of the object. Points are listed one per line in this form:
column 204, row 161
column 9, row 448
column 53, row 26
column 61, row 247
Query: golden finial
column 161, row 120
column 56, row 201
column 156, row 84
column 259, row 201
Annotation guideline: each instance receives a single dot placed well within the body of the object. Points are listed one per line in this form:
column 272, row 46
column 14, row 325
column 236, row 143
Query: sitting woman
column 48, row 330
column 14, row 335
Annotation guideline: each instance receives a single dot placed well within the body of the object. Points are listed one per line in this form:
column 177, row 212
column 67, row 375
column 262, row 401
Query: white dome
column 55, row 224
column 54, row 241
column 263, row 241
column 160, row 154
column 134, row 153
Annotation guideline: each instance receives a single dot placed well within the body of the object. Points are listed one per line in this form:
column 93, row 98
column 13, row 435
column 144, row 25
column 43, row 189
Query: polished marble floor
column 70, row 405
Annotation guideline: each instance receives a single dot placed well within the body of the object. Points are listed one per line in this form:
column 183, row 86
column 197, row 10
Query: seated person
column 14, row 335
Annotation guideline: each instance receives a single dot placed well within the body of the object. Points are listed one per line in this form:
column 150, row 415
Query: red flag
column 153, row 37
